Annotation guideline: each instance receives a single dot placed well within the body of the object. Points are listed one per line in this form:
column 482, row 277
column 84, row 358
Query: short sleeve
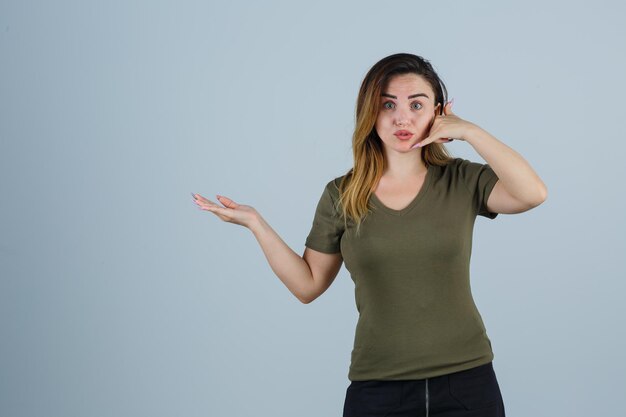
column 479, row 180
column 327, row 228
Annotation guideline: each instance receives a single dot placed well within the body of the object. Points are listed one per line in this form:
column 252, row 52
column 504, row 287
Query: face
column 407, row 103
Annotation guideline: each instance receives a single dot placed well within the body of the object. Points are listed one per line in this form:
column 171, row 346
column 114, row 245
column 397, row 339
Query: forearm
column 290, row 268
column 515, row 174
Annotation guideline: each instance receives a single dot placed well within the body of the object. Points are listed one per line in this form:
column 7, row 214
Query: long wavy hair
column 369, row 162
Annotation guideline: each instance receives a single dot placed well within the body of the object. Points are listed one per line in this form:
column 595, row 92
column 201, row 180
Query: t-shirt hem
column 422, row 375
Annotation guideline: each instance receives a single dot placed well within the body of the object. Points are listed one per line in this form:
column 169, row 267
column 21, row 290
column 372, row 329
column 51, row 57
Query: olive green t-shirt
column 411, row 270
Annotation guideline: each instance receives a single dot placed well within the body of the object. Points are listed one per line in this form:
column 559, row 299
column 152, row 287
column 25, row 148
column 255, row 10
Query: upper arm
column 500, row 201
column 324, row 268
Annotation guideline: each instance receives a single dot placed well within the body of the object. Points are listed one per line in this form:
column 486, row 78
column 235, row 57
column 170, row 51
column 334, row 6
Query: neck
column 404, row 167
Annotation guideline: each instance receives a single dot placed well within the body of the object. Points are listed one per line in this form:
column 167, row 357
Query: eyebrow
column 411, row 96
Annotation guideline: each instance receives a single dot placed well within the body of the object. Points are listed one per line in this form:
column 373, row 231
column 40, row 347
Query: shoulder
column 461, row 166
column 462, row 172
column 460, row 163
column 333, row 186
column 448, row 167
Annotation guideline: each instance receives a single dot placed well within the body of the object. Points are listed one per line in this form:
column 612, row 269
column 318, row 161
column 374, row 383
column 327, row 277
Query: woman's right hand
column 231, row 212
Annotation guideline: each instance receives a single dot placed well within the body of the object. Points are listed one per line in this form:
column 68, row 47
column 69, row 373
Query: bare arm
column 290, row 268
column 519, row 188
column 307, row 277
column 325, row 267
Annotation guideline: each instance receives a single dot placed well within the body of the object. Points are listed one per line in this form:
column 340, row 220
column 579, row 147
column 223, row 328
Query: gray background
column 118, row 297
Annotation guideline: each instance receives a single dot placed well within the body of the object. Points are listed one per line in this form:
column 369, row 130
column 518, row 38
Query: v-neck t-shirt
column 411, row 270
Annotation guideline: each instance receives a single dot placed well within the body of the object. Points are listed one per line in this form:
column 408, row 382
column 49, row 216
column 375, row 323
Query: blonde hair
column 358, row 184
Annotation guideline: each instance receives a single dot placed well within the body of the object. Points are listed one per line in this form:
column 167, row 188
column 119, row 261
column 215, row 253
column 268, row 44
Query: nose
column 403, row 116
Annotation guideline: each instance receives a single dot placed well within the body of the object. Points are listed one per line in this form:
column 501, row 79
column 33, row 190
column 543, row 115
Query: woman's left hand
column 446, row 127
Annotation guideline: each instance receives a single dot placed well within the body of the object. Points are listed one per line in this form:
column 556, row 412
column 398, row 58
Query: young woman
column 402, row 220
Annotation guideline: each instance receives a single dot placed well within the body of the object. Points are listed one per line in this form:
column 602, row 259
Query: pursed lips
column 403, row 134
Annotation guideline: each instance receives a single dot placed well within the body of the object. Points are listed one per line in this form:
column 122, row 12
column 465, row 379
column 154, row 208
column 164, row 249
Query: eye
column 416, row 103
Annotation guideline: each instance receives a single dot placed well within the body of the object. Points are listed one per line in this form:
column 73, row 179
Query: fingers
column 227, row 202
column 443, row 140
column 198, row 198
column 428, row 142
column 203, row 202
column 208, row 205
column 222, row 212
column 216, row 209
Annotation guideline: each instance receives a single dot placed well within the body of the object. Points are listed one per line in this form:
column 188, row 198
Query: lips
column 403, row 134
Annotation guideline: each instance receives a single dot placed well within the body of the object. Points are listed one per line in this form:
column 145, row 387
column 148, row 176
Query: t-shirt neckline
column 418, row 197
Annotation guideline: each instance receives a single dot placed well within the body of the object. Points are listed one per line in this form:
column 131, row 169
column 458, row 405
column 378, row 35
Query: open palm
column 230, row 212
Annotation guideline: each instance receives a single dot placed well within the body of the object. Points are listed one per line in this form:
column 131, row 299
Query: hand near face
column 445, row 128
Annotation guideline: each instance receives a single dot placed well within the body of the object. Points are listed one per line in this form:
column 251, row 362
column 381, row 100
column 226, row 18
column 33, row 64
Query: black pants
column 469, row 393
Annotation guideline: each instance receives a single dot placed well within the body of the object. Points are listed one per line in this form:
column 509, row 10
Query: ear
column 437, row 108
